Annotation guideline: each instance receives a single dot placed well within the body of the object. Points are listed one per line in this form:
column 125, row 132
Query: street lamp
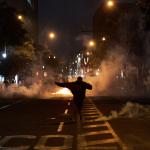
column 87, row 53
column 4, row 55
column 91, row 43
column 110, row 3
column 52, row 35
column 20, row 17
column 103, row 39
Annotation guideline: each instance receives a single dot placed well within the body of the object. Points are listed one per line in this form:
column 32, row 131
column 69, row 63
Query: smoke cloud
column 36, row 90
column 105, row 82
column 131, row 110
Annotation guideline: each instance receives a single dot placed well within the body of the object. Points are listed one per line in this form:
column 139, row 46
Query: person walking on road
column 78, row 89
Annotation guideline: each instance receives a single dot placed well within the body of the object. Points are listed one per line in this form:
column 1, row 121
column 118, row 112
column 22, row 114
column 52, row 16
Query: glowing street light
column 45, row 74
column 20, row 17
column 97, row 73
column 4, row 55
column 52, row 35
column 91, row 43
column 87, row 53
column 110, row 3
column 103, row 38
column 37, row 73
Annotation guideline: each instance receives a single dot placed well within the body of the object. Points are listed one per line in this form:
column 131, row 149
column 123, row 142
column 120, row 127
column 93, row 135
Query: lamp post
column 52, row 35
column 20, row 17
column 103, row 39
column 110, row 3
column 91, row 43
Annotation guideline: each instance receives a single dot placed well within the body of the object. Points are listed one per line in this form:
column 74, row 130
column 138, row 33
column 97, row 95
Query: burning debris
column 63, row 92
column 35, row 90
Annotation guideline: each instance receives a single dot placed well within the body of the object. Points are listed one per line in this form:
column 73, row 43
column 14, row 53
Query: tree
column 49, row 60
column 19, row 61
column 46, row 57
column 12, row 32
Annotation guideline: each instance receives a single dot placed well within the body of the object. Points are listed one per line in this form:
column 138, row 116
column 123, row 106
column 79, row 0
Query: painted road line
column 90, row 111
column 7, row 106
column 105, row 141
column 110, row 129
column 4, row 107
column 60, row 127
column 53, row 118
column 96, row 120
column 66, row 112
column 101, row 148
column 95, row 125
column 6, row 139
column 92, row 133
column 91, row 108
column 91, row 116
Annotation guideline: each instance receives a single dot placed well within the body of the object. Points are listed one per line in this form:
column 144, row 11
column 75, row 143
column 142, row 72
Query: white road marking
column 109, row 131
column 95, row 125
column 53, row 118
column 6, row 139
column 42, row 143
column 101, row 148
column 7, row 106
column 60, row 127
column 91, row 116
column 4, row 107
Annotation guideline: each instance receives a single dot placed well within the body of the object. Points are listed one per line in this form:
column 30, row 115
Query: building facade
column 106, row 21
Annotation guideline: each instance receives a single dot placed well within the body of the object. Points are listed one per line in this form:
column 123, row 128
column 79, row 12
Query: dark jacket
column 78, row 88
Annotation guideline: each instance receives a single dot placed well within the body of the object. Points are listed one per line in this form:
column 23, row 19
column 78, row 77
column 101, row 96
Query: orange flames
column 63, row 92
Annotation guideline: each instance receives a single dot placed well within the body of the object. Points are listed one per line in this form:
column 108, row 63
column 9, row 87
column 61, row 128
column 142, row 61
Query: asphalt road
column 51, row 125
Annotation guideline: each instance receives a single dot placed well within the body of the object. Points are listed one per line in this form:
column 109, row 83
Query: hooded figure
column 78, row 89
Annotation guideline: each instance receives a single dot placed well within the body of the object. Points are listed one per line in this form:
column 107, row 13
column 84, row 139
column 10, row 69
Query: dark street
column 50, row 124
column 74, row 75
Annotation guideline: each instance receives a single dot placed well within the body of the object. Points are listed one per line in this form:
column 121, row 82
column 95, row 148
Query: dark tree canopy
column 20, row 60
column 12, row 32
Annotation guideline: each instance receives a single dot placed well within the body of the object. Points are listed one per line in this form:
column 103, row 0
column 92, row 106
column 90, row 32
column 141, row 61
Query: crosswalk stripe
column 90, row 111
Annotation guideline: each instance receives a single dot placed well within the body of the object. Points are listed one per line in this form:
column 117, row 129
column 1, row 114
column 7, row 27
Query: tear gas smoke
column 105, row 83
column 110, row 67
column 101, row 83
column 36, row 90
column 131, row 110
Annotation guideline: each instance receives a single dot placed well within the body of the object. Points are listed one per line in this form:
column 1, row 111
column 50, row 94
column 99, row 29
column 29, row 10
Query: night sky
column 67, row 18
